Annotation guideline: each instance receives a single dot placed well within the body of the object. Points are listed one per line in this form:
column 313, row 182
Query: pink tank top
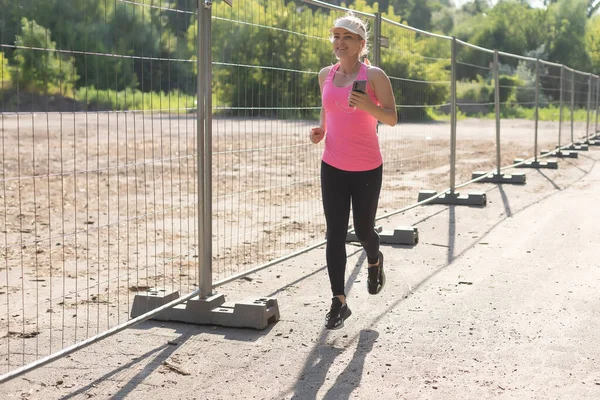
column 351, row 143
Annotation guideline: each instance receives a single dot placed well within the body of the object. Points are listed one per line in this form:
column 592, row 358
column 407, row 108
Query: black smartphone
column 359, row 86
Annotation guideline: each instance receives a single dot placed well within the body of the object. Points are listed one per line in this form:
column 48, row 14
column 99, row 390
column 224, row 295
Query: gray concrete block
column 550, row 164
column 150, row 300
column 517, row 178
column 425, row 194
column 471, row 199
column 561, row 153
column 401, row 235
column 252, row 312
column 577, row 147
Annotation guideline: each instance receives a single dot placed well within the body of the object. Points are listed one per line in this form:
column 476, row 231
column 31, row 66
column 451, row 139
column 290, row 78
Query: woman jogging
column 352, row 166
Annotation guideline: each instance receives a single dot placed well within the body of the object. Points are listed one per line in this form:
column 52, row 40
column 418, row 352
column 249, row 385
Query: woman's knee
column 365, row 235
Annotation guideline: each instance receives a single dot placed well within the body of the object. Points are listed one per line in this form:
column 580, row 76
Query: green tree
column 416, row 13
column 592, row 6
column 419, row 69
column 476, row 7
column 511, row 27
column 443, row 20
column 39, row 67
column 469, row 20
column 565, row 41
column 593, row 43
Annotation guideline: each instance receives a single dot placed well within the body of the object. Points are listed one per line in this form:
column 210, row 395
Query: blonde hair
column 354, row 20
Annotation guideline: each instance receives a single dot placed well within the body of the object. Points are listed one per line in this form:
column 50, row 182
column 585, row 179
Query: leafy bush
column 508, row 86
column 479, row 91
column 419, row 68
column 44, row 70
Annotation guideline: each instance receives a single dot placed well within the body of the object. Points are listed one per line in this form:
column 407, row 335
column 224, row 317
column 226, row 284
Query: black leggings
column 339, row 188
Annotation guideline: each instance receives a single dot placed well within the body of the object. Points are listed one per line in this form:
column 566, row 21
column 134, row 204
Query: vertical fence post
column 377, row 40
column 497, row 108
column 536, row 163
column 560, row 104
column 204, row 144
column 537, row 108
column 498, row 177
column 572, row 104
column 453, row 110
column 589, row 109
column 597, row 103
column 207, row 308
column 451, row 196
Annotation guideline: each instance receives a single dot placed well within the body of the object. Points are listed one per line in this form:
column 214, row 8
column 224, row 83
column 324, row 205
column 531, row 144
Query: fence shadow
column 322, row 356
column 160, row 354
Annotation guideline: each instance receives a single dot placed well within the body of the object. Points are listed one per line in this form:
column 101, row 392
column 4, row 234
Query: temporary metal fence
column 582, row 91
column 266, row 196
column 215, row 178
column 475, row 88
column 96, row 204
column 596, row 108
column 415, row 154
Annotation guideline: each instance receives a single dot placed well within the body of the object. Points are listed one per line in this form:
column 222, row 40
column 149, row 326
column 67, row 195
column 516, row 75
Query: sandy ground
column 95, row 207
column 493, row 302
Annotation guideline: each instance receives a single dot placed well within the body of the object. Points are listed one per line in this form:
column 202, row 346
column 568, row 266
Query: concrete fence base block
column 550, row 164
column 577, row 147
column 252, row 312
column 517, row 178
column 400, row 235
column 151, row 299
column 351, row 236
column 561, row 153
column 471, row 199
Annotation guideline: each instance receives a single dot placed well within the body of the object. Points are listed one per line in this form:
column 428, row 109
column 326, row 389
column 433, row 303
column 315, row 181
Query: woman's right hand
column 317, row 134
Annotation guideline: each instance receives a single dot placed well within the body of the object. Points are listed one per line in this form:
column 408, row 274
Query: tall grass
column 549, row 113
column 130, row 99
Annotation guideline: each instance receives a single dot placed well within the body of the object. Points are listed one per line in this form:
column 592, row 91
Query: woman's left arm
column 381, row 85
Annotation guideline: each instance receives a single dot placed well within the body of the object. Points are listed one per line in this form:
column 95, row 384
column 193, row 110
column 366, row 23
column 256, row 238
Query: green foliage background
column 116, row 55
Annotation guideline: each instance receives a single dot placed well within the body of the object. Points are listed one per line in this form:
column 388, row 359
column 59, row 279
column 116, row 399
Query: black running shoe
column 376, row 279
column 337, row 314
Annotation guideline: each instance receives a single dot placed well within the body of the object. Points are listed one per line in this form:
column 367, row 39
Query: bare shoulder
column 378, row 79
column 376, row 73
column 325, row 71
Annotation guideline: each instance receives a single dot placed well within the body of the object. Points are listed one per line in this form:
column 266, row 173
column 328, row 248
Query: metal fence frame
column 204, row 136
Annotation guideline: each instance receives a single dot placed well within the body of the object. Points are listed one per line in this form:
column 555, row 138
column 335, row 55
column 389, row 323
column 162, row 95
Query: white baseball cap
column 351, row 26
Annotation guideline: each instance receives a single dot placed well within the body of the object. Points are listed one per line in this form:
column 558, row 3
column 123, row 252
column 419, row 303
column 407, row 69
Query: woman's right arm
column 317, row 134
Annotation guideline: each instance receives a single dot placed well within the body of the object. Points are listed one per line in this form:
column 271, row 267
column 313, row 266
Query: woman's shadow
column 347, row 381
column 351, row 376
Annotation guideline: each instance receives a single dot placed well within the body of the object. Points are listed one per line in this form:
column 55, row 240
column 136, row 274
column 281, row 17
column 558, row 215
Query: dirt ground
column 87, row 230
